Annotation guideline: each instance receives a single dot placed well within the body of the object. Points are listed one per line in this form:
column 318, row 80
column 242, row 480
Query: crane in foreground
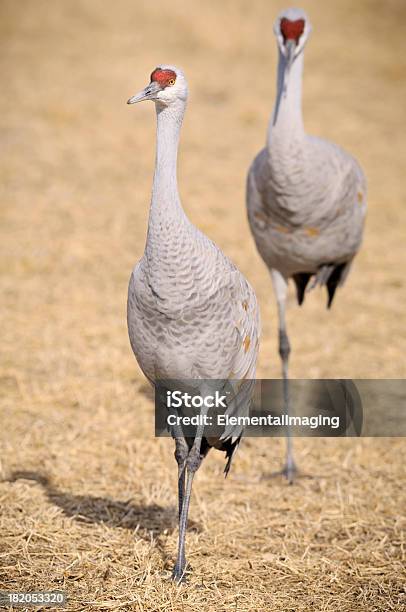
column 306, row 197
column 192, row 316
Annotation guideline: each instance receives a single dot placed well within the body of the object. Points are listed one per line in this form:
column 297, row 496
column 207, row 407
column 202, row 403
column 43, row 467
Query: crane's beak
column 149, row 93
column 290, row 49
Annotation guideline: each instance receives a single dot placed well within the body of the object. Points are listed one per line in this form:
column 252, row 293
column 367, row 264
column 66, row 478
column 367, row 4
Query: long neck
column 165, row 196
column 286, row 124
column 166, row 212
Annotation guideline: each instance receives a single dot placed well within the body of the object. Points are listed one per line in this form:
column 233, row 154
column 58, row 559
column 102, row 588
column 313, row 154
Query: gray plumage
column 191, row 313
column 306, row 197
column 306, row 209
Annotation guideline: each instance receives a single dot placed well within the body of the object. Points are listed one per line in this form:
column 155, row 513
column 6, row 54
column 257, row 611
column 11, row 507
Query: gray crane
column 192, row 316
column 306, row 197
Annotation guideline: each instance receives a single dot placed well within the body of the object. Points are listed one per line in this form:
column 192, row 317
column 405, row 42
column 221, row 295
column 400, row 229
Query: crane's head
column 292, row 28
column 167, row 86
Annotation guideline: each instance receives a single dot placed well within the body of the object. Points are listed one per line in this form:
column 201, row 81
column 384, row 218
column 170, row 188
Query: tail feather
column 334, row 281
column 331, row 275
column 230, row 446
column 301, row 279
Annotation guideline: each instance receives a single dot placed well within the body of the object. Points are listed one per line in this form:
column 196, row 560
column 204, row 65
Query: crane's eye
column 171, row 82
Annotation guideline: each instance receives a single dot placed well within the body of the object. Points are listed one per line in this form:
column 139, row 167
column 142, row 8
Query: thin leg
column 180, row 566
column 181, row 453
column 191, row 465
column 280, row 286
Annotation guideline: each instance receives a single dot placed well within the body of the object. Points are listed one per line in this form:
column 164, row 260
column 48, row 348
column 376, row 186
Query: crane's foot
column 290, row 470
column 179, row 574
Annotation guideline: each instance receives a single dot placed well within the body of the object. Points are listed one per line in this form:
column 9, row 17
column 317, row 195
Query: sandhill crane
column 306, row 197
column 191, row 313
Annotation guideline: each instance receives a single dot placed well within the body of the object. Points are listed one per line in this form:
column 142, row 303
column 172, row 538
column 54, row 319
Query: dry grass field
column 87, row 495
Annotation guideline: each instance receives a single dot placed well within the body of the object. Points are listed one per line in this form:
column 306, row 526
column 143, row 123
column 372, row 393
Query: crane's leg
column 181, row 452
column 191, row 465
column 280, row 286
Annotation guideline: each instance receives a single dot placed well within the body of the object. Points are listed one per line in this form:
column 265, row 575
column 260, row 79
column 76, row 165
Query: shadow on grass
column 148, row 392
column 147, row 520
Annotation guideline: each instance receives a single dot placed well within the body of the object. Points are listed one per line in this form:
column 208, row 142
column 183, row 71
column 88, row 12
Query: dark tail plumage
column 329, row 274
column 301, row 279
column 230, row 447
column 334, row 281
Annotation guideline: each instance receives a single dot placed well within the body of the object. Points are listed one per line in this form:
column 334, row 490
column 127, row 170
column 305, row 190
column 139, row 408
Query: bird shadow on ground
column 146, row 519
column 148, row 392
column 282, row 474
column 277, row 475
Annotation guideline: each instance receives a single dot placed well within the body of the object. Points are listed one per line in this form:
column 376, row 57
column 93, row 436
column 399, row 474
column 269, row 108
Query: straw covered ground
column 87, row 495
